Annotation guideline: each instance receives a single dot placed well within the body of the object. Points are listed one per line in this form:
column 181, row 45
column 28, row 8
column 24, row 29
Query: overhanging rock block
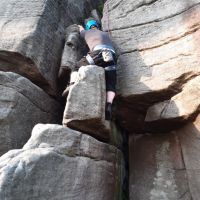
column 180, row 108
column 30, row 43
column 22, row 105
column 32, row 34
column 60, row 163
column 85, row 107
column 158, row 54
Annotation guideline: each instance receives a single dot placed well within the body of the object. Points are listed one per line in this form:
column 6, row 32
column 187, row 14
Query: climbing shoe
column 66, row 91
column 108, row 111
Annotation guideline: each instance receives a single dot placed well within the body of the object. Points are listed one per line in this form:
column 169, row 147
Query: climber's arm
column 82, row 31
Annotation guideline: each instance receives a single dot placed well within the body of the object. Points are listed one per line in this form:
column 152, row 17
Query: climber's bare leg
column 110, row 95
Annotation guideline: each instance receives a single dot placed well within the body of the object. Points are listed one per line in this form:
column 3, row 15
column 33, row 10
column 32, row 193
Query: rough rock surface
column 58, row 163
column 158, row 55
column 165, row 166
column 157, row 170
column 73, row 46
column 22, row 105
column 74, row 50
column 158, row 90
column 180, row 107
column 32, row 34
column 189, row 137
column 85, row 106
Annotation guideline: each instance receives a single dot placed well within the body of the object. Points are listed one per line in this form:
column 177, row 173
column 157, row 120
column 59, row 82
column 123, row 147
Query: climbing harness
column 104, row 52
column 90, row 59
column 107, row 55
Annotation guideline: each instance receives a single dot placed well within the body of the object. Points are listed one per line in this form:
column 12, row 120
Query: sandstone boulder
column 156, row 168
column 158, row 73
column 58, row 163
column 189, row 137
column 22, row 105
column 180, row 107
column 158, row 52
column 32, row 35
column 85, row 106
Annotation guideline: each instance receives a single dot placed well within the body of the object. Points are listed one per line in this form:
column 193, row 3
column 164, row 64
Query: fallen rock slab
column 85, row 106
column 22, row 105
column 60, row 163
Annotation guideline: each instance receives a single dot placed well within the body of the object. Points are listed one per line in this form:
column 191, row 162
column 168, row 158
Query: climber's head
column 91, row 24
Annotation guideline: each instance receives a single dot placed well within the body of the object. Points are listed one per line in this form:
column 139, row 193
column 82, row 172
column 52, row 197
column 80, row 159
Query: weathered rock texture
column 157, row 170
column 189, row 137
column 32, row 34
column 165, row 166
column 179, row 107
column 158, row 91
column 74, row 50
column 85, row 106
column 22, row 105
column 73, row 46
column 58, row 163
column 158, row 58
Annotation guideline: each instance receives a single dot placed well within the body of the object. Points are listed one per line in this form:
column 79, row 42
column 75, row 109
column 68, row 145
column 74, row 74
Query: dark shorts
column 110, row 74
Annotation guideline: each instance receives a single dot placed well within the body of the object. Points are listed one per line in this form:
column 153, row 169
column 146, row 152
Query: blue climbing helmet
column 91, row 23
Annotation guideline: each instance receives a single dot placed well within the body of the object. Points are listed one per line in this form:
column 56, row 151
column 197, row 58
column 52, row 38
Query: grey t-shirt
column 96, row 37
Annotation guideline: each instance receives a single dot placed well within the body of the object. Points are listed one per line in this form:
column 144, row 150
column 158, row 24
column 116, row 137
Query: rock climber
column 101, row 54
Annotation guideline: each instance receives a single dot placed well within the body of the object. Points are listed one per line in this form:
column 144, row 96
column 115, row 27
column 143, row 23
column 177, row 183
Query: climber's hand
column 80, row 28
